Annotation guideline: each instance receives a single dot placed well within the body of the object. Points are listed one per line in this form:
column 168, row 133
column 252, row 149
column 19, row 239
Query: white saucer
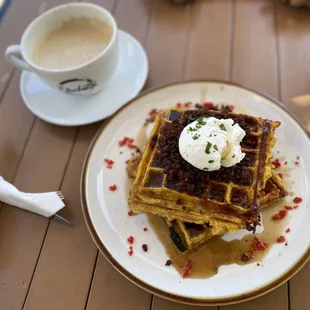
column 65, row 110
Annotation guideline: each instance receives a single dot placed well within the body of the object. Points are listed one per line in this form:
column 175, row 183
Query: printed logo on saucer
column 77, row 86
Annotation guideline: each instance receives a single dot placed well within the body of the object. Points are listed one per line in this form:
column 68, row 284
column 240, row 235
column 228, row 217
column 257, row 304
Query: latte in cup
column 75, row 43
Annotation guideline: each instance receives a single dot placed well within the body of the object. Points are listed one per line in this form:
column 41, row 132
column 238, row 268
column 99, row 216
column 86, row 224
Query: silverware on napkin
column 45, row 204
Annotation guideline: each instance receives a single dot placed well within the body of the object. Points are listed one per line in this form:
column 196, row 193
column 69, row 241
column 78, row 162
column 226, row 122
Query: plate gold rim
column 264, row 289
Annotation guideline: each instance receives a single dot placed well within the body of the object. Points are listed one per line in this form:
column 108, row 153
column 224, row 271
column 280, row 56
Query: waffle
column 168, row 186
column 189, row 236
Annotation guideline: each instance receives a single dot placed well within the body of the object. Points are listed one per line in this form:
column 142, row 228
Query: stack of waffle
column 196, row 204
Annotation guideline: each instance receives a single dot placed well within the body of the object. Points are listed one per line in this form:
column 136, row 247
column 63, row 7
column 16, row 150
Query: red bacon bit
column 130, row 239
column 280, row 215
column 186, row 271
column 287, row 230
column 179, row 105
column 131, row 213
column 109, row 162
column 123, row 142
column 144, row 247
column 285, row 163
column 296, row 163
column 247, row 256
column 252, row 219
column 145, row 229
column 231, row 107
column 281, row 239
column 276, row 163
column 153, row 113
column 297, row 200
column 127, row 141
column 130, row 252
column 127, row 161
column 280, row 175
column 259, row 245
column 208, row 105
column 186, row 104
column 296, row 207
column 288, row 208
column 113, row 188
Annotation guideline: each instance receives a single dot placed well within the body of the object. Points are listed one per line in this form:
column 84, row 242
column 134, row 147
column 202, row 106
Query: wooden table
column 45, row 265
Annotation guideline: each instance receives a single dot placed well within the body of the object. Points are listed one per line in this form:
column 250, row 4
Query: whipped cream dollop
column 209, row 143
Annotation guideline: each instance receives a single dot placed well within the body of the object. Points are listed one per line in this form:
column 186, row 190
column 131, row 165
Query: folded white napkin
column 46, row 204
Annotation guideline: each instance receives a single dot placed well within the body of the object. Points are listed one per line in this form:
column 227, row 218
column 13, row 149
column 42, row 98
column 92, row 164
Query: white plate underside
column 108, row 210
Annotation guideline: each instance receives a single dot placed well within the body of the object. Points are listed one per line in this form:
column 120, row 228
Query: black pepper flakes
column 144, row 247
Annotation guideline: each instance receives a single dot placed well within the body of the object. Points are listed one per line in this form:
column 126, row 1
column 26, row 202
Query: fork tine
column 60, row 195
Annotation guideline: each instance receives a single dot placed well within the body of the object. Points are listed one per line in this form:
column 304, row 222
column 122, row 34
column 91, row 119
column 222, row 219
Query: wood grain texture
column 41, row 169
column 110, row 287
column 254, row 57
column 293, row 28
column 294, row 43
column 68, row 255
column 166, row 43
column 132, row 16
column 209, row 45
column 276, row 300
column 162, row 304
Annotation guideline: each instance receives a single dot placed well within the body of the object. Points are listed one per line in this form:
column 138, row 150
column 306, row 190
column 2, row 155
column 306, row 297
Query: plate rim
column 234, row 299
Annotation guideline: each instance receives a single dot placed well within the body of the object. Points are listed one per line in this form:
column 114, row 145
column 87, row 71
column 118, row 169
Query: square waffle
column 189, row 236
column 168, row 186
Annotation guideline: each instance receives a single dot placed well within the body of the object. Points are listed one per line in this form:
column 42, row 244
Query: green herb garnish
column 205, row 168
column 208, row 146
column 192, row 129
column 222, row 127
column 234, row 156
column 195, row 137
column 215, row 147
column 211, row 161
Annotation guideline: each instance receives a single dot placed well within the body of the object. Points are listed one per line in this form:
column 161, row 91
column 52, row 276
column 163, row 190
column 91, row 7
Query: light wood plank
column 166, row 43
column 132, row 16
column 40, row 169
column 67, row 259
column 255, row 65
column 294, row 44
column 209, row 43
column 276, row 300
column 118, row 293
column 162, row 304
column 255, row 56
column 15, row 124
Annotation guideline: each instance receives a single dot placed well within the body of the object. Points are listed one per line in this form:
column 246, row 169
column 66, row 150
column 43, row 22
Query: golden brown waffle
column 168, row 186
column 189, row 236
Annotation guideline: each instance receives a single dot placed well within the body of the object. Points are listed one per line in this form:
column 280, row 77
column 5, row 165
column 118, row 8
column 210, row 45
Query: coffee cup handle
column 14, row 56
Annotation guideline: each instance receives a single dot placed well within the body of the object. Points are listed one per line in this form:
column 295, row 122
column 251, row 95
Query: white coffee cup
column 82, row 80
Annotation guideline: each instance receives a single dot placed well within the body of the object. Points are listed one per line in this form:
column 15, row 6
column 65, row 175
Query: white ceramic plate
column 66, row 110
column 106, row 211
